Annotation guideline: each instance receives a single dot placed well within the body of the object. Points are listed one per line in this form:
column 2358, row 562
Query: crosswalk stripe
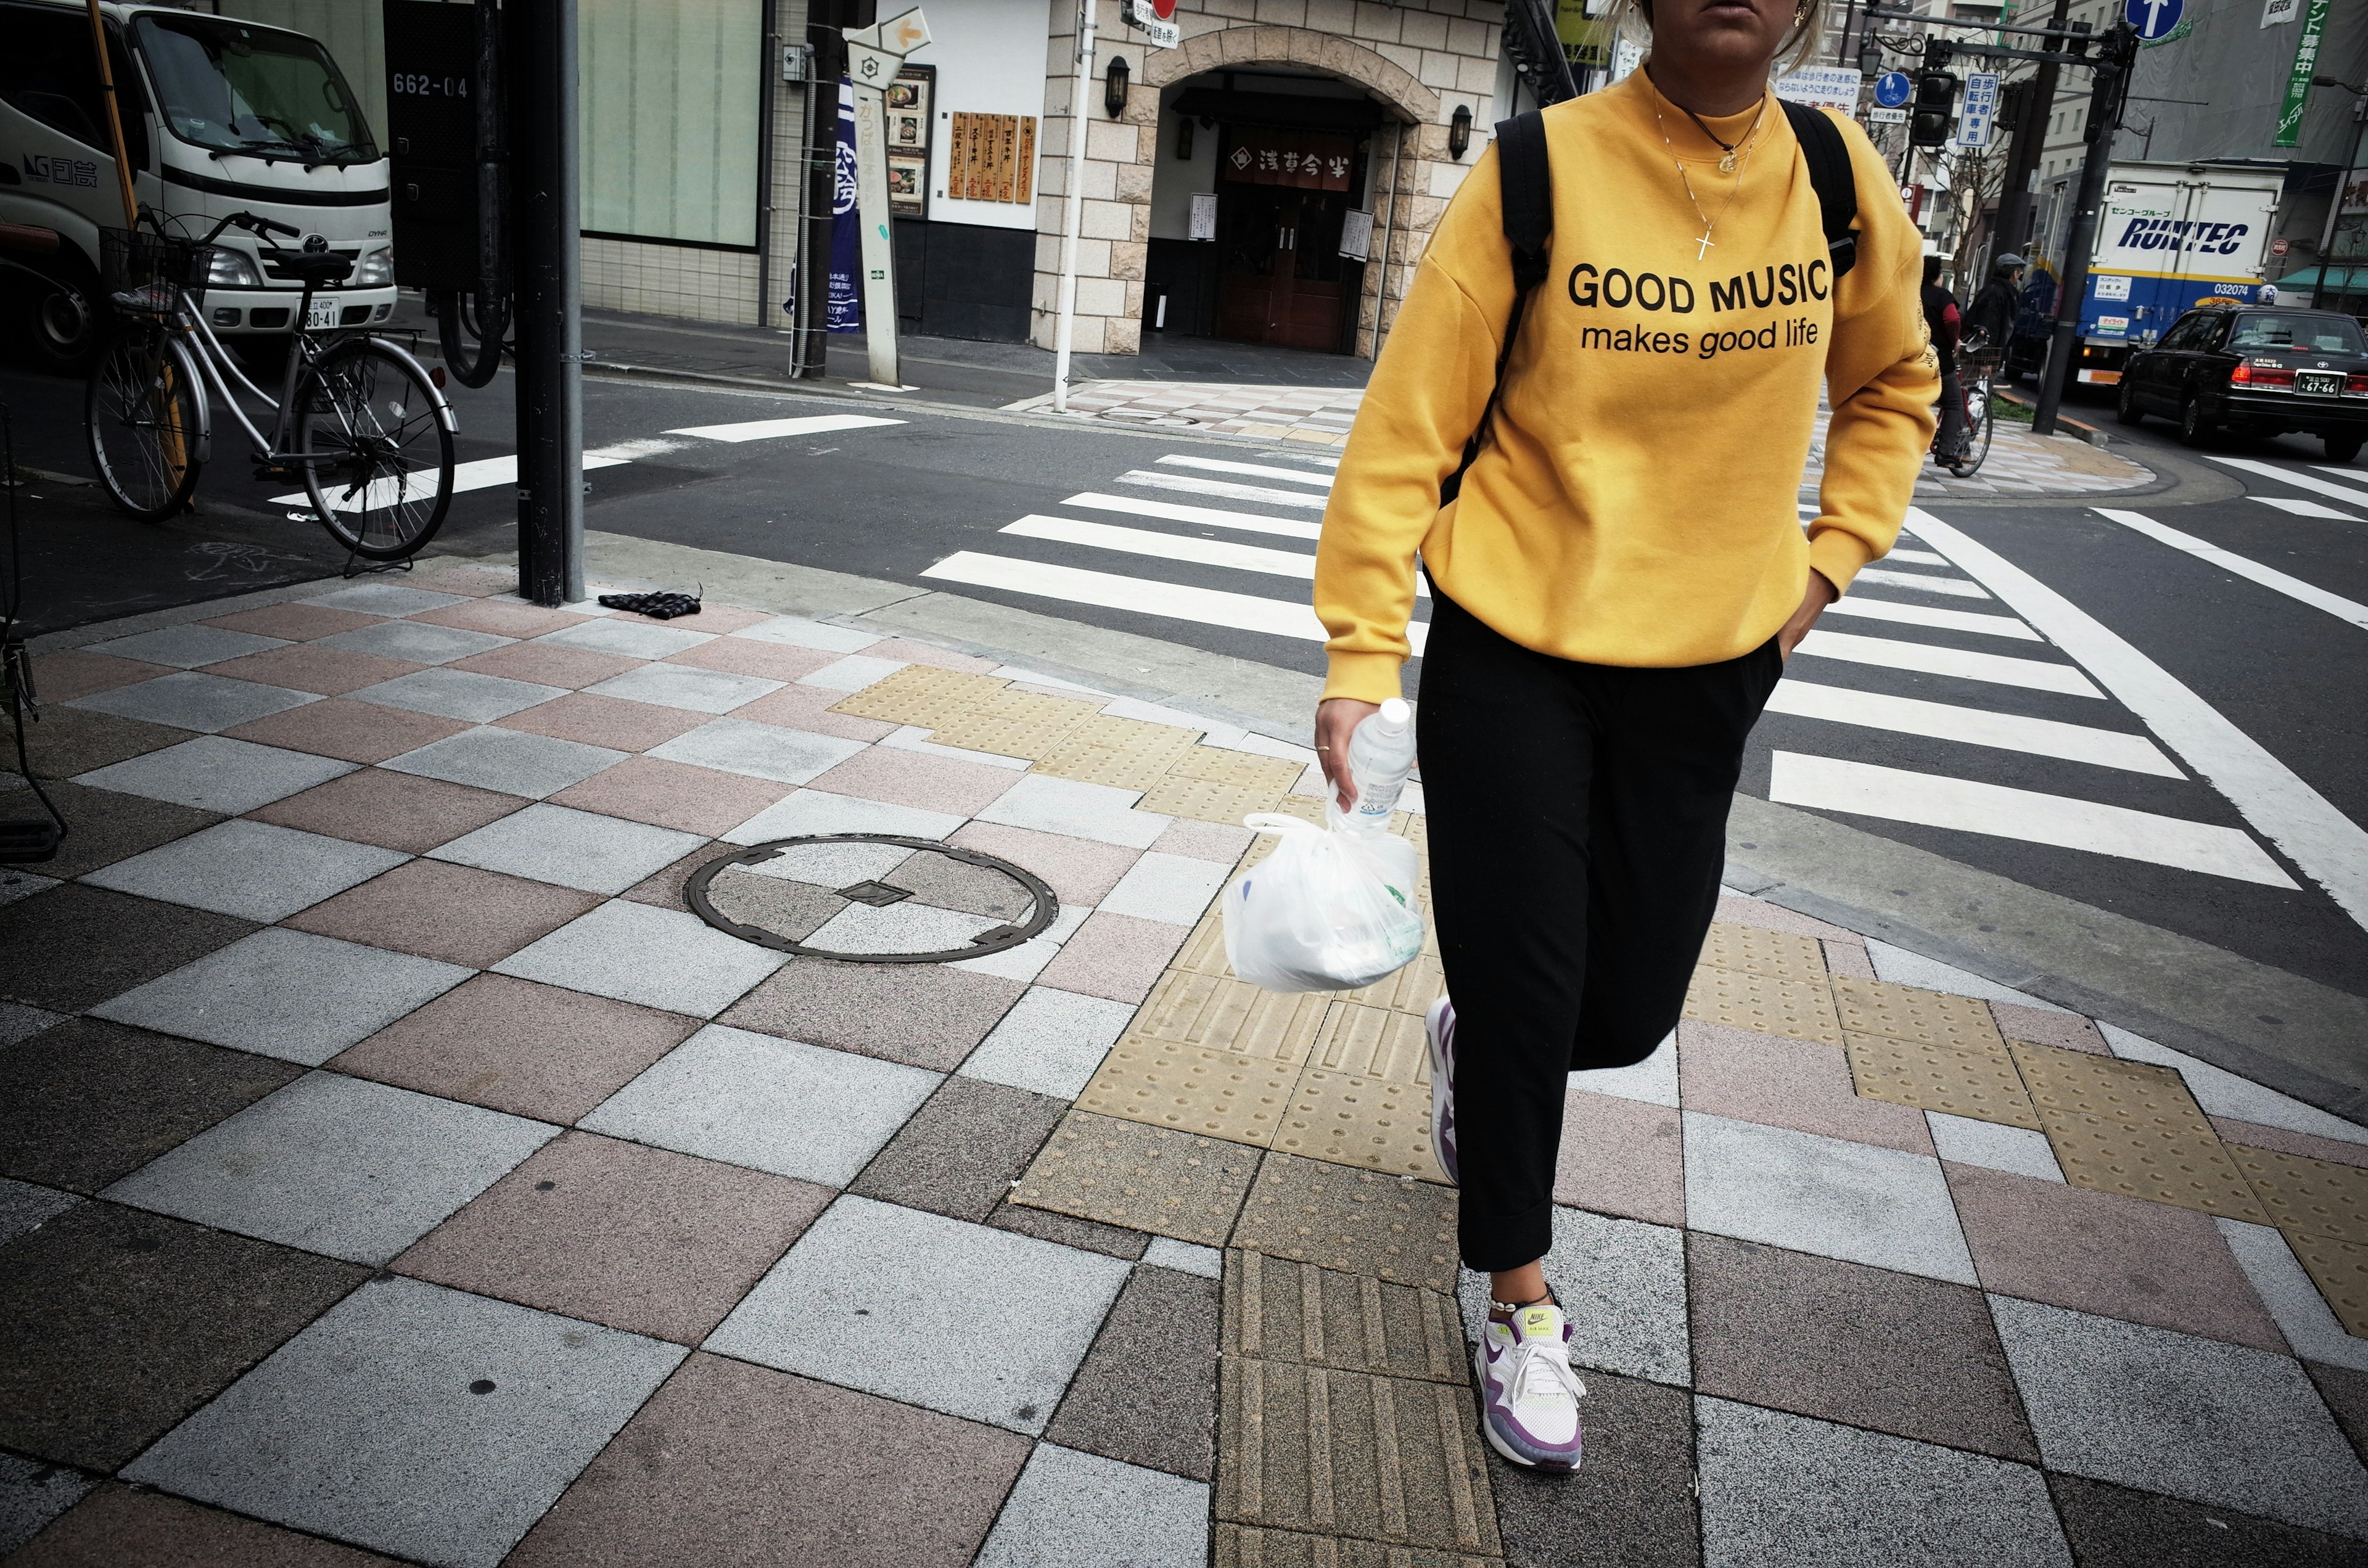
column 1218, row 465
column 2301, row 509
column 1917, row 580
column 1974, row 726
column 1173, row 601
column 1891, row 655
column 1928, row 615
column 1220, row 487
column 482, row 473
column 2228, row 560
column 1169, row 511
column 1174, row 546
column 1935, row 801
column 2294, row 477
column 1918, row 557
column 765, row 429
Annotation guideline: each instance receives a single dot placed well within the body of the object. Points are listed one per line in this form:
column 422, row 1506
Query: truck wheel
column 2194, row 429
column 63, row 318
column 2341, row 448
column 2126, row 404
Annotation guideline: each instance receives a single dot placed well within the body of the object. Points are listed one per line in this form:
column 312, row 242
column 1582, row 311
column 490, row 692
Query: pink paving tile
column 747, row 656
column 475, row 581
column 1217, row 841
column 2253, row 1135
column 663, row 890
column 457, row 913
column 1849, row 958
column 393, row 811
column 807, row 708
column 917, row 779
column 116, row 1527
column 1788, row 1082
column 2041, row 1027
column 356, row 732
column 717, row 618
column 295, row 623
column 502, row 617
column 605, row 722
column 71, row 673
column 1081, row 872
column 304, row 667
column 2100, row 1252
column 1114, row 956
column 673, row 794
column 644, row 1240
column 1621, row 1156
column 1775, row 918
column 922, row 653
column 547, row 665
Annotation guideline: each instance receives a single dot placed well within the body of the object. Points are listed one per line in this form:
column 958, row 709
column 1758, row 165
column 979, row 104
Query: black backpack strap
column 1829, row 172
column 1527, row 180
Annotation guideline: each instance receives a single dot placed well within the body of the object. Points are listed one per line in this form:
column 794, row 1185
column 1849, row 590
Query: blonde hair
column 1632, row 19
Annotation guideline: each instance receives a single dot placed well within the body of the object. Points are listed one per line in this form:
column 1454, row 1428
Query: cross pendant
column 1703, row 245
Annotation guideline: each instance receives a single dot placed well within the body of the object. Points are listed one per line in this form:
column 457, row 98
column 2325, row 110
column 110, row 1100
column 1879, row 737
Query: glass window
column 669, row 109
column 46, row 71
column 232, row 87
column 2327, row 335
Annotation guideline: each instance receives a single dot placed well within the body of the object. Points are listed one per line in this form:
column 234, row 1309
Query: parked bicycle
column 1980, row 371
column 358, row 422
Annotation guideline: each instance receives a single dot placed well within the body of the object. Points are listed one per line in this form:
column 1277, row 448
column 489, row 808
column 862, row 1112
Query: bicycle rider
column 1949, row 444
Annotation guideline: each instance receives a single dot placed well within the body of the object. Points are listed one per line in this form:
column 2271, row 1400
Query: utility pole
column 546, row 244
column 1073, row 208
column 2015, row 201
column 2109, row 80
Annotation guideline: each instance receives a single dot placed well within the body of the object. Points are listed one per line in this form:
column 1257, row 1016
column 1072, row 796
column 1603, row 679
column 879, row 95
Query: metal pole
column 114, row 119
column 768, row 74
column 2016, row 206
column 1073, row 207
column 550, row 355
column 823, row 71
column 2111, row 72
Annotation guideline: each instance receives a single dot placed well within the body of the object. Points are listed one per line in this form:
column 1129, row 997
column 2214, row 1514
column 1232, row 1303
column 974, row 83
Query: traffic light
column 1936, row 104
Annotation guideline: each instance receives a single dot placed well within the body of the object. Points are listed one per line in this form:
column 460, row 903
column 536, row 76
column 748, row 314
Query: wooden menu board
column 992, row 157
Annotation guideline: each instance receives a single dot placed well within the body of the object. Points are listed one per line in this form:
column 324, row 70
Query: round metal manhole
column 871, row 898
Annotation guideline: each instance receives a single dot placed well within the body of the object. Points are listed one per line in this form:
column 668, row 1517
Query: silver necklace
column 1702, row 246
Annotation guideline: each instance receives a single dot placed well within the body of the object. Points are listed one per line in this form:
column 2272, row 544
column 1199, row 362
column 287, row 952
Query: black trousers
column 1577, row 821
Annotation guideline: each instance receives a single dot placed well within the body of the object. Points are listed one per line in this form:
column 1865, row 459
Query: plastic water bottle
column 1380, row 755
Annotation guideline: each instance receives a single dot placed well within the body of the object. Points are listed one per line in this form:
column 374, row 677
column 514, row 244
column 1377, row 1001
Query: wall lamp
column 1114, row 86
column 1459, row 131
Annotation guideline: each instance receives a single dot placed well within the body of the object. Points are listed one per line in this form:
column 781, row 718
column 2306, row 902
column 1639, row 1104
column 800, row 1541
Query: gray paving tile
column 2111, row 1527
column 1173, row 888
column 853, row 673
column 2171, row 1413
column 215, row 773
column 75, row 947
column 1821, row 1195
column 1098, row 811
column 370, row 1427
column 1632, row 1505
column 1623, row 1283
column 20, row 1022
column 32, row 1493
column 819, row 811
column 2346, row 1392
column 961, row 1151
column 686, row 685
column 799, row 632
column 123, row 1524
column 190, row 699
column 186, row 647
column 573, row 849
column 285, row 994
column 1962, row 1141
column 2309, row 1324
column 109, row 825
column 659, row 958
column 908, row 926
column 928, row 1014
column 339, row 1166
column 17, row 883
column 1187, row 1257
column 1148, row 1391
column 24, row 1207
column 511, row 761
column 385, row 599
column 416, row 641
column 1050, row 1042
column 774, row 1105
column 1005, row 1318
column 253, row 869
column 1079, row 1510
column 633, row 639
column 1092, row 1235
column 458, row 694
column 1780, row 1491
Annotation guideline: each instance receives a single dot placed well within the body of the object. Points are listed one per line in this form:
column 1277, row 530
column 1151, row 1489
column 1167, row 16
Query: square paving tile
column 78, row 671
column 853, row 672
column 75, row 946
column 1141, row 1178
column 1653, row 1081
column 1392, row 1227
column 2100, row 1252
column 502, row 616
column 2303, row 1314
column 1080, row 1510
column 294, row 622
column 1786, row 1490
column 1993, row 1145
column 1821, row 1195
column 352, row 732
column 2133, row 1128
column 1865, row 1347
column 633, row 639
column 637, row 1238
column 286, row 994
column 1005, row 1318
column 765, row 751
column 116, row 1525
column 912, row 778
column 665, row 889
column 395, row 811
column 1621, row 1156
column 962, row 1150
column 191, row 700
column 728, row 1462
column 673, row 794
column 1637, row 1507
column 119, row 1324
column 1098, row 811
column 309, row 666
column 249, row 869
column 772, row 1104
column 32, row 1493
column 20, row 1022
column 515, row 764
column 2195, row 1418
column 571, row 848
column 1624, row 1283
column 1114, row 956
column 2042, row 1027
column 370, row 1426
column 928, row 1014
column 384, row 598
column 110, row 826
column 1050, row 1042
column 574, row 668
column 215, row 773
column 89, row 1101
column 807, row 708
column 741, row 654
column 656, row 957
column 604, row 722
column 458, row 694
column 1175, row 889
column 798, row 632
column 453, row 912
column 416, row 642
column 339, row 1166
column 1789, row 1083
column 683, row 686
column 186, row 647
column 2113, row 1526
column 72, row 741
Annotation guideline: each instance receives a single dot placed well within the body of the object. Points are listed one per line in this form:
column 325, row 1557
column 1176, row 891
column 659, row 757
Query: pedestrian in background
column 1941, row 324
column 1989, row 318
column 1613, row 590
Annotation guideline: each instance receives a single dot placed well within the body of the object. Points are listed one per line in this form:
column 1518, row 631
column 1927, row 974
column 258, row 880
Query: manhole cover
column 871, row 898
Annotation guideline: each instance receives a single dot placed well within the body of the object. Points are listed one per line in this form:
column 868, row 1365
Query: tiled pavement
column 397, row 1170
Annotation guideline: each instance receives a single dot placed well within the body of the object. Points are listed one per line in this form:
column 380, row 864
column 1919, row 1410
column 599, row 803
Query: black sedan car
column 2255, row 371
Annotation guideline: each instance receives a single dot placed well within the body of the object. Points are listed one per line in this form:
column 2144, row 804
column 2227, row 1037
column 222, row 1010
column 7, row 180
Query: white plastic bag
column 1328, row 911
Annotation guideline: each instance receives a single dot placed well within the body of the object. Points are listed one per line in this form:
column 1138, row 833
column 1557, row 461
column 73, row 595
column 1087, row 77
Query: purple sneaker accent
column 1529, row 1395
column 1439, row 1029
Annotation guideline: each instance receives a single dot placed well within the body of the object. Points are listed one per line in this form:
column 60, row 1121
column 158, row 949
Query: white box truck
column 220, row 116
column 2169, row 237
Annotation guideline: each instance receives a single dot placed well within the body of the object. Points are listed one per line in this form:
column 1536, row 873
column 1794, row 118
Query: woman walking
column 1614, row 589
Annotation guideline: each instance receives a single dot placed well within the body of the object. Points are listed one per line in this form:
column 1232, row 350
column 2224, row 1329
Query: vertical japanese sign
column 2313, row 23
column 1979, row 119
column 846, row 225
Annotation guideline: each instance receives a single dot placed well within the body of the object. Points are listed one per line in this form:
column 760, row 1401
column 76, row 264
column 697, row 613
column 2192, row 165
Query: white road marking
column 1891, row 655
column 2301, row 508
column 1918, row 557
column 1209, row 606
column 1220, row 487
column 1176, row 547
column 1949, row 586
column 1967, row 806
column 1217, row 465
column 1928, row 615
column 765, row 429
column 1974, row 726
column 2228, row 560
column 482, row 473
column 2299, row 480
column 2331, row 848
column 1170, row 511
column 642, row 446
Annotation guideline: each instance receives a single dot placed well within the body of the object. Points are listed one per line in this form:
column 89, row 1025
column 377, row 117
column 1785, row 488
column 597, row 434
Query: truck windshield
column 2327, row 335
column 235, row 88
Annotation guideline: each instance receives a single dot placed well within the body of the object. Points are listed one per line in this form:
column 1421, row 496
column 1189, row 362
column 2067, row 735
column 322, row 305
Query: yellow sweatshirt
column 1636, row 502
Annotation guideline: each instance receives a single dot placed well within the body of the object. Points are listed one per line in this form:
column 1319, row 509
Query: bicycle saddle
column 316, row 268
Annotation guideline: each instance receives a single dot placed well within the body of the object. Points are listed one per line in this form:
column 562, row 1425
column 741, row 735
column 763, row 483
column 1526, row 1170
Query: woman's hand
column 1337, row 719
column 1814, row 601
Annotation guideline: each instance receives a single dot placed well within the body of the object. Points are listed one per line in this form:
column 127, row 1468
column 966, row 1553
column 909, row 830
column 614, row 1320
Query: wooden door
column 1281, row 279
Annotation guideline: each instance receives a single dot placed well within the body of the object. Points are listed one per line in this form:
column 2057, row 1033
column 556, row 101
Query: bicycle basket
column 141, row 269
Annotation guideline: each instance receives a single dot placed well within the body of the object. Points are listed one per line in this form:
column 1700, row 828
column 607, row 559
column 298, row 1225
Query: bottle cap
column 1395, row 714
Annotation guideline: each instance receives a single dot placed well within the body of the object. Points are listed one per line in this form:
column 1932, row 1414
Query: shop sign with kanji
column 1307, row 159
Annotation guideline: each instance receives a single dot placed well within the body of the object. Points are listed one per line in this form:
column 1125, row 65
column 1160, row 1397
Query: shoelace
column 1539, row 1361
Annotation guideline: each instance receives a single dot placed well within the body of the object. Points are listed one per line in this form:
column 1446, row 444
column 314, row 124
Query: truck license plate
column 322, row 314
column 2324, row 382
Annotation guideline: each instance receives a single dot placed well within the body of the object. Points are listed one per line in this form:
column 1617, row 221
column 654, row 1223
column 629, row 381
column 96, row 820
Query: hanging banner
column 1584, row 40
column 1311, row 160
column 1833, row 87
column 2314, row 22
column 1978, row 118
column 846, row 225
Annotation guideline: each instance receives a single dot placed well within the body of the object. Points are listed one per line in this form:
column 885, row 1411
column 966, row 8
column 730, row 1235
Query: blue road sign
column 1892, row 89
column 2153, row 17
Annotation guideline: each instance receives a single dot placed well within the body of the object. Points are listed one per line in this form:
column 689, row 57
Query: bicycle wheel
column 144, row 413
column 1981, row 420
column 375, row 444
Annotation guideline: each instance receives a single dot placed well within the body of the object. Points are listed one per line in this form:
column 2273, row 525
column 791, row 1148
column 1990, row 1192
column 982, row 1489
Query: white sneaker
column 1529, row 1395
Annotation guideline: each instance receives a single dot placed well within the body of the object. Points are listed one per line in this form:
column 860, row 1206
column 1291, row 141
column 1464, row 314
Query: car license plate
column 322, row 314
column 2326, row 383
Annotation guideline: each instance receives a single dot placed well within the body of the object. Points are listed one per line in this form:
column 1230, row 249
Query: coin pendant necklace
column 1729, row 163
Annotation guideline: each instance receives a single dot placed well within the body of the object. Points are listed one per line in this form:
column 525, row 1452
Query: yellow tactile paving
column 920, row 694
column 2132, row 1128
column 1203, row 1010
column 1214, row 1094
column 2307, row 1197
column 1360, row 1221
column 1145, row 1178
column 1238, row 1546
column 1778, row 954
column 1410, row 990
column 1975, row 1081
column 1375, row 1124
column 1908, row 1013
column 1321, row 1317
column 1795, row 1009
column 1015, row 723
column 1210, row 785
column 1374, row 1042
column 1126, row 754
column 2340, row 1270
column 1204, row 949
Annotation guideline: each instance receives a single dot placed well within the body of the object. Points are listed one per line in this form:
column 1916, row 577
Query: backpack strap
column 1829, row 172
column 1527, row 179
